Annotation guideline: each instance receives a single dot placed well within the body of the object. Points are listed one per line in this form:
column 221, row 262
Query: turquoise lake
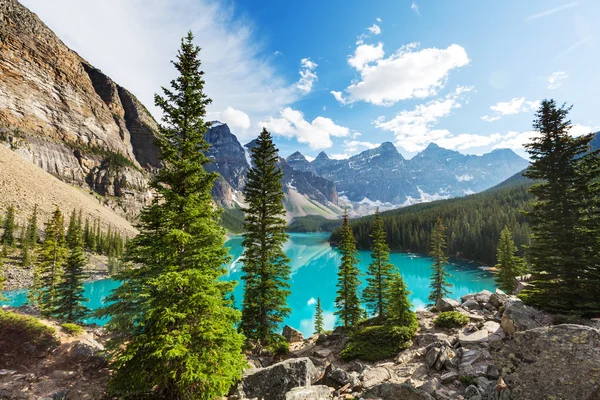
column 314, row 273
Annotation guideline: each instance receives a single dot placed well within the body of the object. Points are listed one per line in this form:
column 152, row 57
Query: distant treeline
column 473, row 223
column 314, row 223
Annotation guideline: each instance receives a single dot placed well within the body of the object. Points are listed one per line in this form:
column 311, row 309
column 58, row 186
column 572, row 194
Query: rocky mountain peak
column 298, row 162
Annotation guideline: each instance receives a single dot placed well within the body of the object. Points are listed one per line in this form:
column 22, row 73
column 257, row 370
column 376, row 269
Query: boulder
column 498, row 298
column 471, row 304
column 319, row 392
column 447, row 304
column 395, row 391
column 519, row 317
column 500, row 391
column 472, row 393
column 372, row 377
column 450, row 376
column 438, row 354
column 561, row 362
column 275, row 381
column 467, row 297
column 337, row 377
column 292, row 335
column 474, row 362
column 466, row 337
column 483, row 296
column 431, row 385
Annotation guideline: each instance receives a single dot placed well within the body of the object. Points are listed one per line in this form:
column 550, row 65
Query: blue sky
column 342, row 76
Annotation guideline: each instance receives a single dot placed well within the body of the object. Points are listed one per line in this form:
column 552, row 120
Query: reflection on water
column 314, row 274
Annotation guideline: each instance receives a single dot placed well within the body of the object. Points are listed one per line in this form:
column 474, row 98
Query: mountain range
column 68, row 118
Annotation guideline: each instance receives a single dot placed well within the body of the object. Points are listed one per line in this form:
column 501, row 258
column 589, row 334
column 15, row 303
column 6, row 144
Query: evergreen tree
column 564, row 218
column 175, row 334
column 86, row 234
column 379, row 272
column 318, row 317
column 72, row 230
column 399, row 306
column 265, row 268
column 69, row 292
column 26, row 254
column 347, row 301
column 509, row 265
column 8, row 235
column 32, row 229
column 48, row 270
column 439, row 278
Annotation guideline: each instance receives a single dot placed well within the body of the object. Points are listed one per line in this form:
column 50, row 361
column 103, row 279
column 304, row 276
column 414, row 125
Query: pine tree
column 86, row 234
column 48, row 270
column 509, row 265
column 26, row 254
column 32, row 229
column 399, row 305
column 439, row 278
column 564, row 218
column 175, row 334
column 72, row 230
column 265, row 266
column 318, row 317
column 347, row 301
column 69, row 302
column 379, row 272
column 8, row 235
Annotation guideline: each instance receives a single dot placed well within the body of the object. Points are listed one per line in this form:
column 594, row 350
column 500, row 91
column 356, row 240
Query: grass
column 72, row 329
column 373, row 343
column 451, row 319
column 21, row 333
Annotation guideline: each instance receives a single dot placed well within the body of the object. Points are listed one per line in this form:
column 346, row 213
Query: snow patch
column 248, row 157
column 371, row 202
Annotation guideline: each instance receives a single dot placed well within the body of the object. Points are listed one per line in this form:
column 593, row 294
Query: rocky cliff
column 69, row 118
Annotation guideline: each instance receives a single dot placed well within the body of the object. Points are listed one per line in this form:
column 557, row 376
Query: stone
column 474, row 362
column 501, row 391
column 482, row 383
column 431, row 356
column 275, row 381
column 431, row 385
column 466, row 297
column 395, row 391
column 447, row 304
column 466, row 338
column 292, row 335
column 318, row 392
column 322, row 353
column 6, row 372
column 471, row 304
column 450, row 376
column 337, row 377
column 492, row 372
column 472, row 393
column 322, row 338
column 60, row 374
column 518, row 317
column 446, row 394
column 374, row 376
column 489, row 307
column 427, row 338
column 561, row 361
column 498, row 298
column 483, row 296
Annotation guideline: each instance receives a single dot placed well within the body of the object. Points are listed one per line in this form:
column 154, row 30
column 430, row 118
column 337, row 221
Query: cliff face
column 66, row 116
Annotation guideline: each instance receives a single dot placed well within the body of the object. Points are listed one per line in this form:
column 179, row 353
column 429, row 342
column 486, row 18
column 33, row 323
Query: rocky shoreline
column 507, row 351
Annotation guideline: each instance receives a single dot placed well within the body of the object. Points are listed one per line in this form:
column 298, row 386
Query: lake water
column 314, row 274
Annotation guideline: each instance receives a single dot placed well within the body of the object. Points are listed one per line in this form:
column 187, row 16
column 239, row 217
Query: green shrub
column 373, row 343
column 18, row 332
column 467, row 380
column 279, row 345
column 451, row 319
column 72, row 329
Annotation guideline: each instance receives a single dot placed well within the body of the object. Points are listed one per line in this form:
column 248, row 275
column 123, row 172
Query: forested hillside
column 473, row 222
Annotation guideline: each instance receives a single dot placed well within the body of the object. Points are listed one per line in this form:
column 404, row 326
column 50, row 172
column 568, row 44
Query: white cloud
column 517, row 140
column 365, row 54
column 307, row 75
column 316, row 134
column 311, row 301
column 378, row 19
column 236, row 119
column 556, row 79
column 339, row 97
column 374, row 29
column 352, row 147
column 511, row 107
column 403, row 75
column 238, row 72
column 551, row 11
column 415, row 7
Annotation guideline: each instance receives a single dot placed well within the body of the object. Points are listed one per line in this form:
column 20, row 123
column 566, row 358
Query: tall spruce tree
column 439, row 277
column 9, row 226
column 175, row 332
column 379, row 272
column 509, row 264
column 318, row 317
column 72, row 230
column 48, row 270
column 265, row 268
column 399, row 305
column 69, row 303
column 32, row 229
column 564, row 218
column 347, row 301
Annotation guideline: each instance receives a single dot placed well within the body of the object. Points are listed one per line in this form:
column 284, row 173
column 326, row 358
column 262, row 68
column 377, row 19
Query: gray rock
column 60, row 374
column 482, row 383
column 472, row 393
column 395, row 391
column 498, row 298
column 447, row 304
column 319, row 392
column 471, row 304
column 292, row 335
column 322, row 338
column 466, row 337
column 431, row 385
column 492, row 372
column 450, row 376
column 467, row 297
column 561, row 361
column 372, row 377
column 483, row 296
column 275, row 381
column 519, row 317
column 431, row 356
column 474, row 362
column 337, row 377
column 489, row 307
column 501, row 391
